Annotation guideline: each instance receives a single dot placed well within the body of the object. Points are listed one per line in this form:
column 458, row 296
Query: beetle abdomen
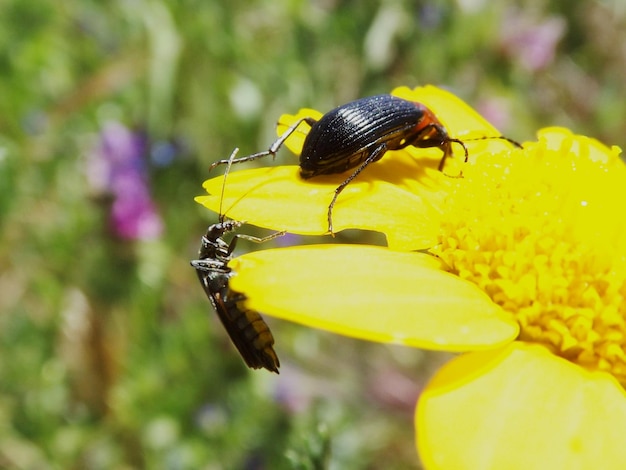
column 254, row 331
column 246, row 328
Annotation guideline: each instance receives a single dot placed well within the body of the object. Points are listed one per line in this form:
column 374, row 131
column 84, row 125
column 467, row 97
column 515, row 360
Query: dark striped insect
column 246, row 328
column 358, row 133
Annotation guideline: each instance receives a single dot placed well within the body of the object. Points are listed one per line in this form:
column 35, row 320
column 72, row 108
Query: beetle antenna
column 498, row 137
column 230, row 163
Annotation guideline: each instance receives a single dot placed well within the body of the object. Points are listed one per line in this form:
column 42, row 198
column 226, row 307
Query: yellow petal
column 521, row 407
column 277, row 198
column 372, row 293
column 581, row 147
column 458, row 117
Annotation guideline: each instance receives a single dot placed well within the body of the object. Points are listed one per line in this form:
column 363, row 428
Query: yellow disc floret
column 541, row 230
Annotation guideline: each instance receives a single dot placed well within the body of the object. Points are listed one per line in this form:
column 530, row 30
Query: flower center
column 541, row 231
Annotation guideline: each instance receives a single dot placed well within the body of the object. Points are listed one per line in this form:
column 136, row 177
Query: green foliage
column 111, row 356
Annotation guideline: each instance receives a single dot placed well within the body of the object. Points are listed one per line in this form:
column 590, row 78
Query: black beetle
column 359, row 133
column 246, row 328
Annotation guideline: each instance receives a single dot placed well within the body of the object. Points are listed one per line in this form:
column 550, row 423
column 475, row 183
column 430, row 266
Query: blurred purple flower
column 430, row 16
column 117, row 167
column 531, row 42
column 211, row 418
column 164, row 152
column 496, row 110
column 393, row 389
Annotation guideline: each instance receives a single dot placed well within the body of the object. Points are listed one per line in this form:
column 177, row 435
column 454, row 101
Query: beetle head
column 430, row 132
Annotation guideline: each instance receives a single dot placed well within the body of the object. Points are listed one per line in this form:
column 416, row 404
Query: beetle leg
column 209, row 265
column 253, row 239
column 275, row 147
column 233, row 242
column 374, row 156
column 447, row 151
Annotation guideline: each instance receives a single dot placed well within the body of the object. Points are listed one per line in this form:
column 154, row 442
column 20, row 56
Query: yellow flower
column 529, row 283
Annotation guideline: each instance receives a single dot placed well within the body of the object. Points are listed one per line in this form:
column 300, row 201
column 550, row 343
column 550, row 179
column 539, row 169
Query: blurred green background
column 110, row 115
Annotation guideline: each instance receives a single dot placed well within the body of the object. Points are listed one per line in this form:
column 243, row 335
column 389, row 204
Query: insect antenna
column 226, row 172
column 497, row 137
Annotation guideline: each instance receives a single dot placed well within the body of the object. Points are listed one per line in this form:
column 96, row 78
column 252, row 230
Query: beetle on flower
column 529, row 284
column 359, row 133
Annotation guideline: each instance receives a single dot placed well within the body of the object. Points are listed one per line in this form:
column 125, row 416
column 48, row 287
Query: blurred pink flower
column 117, row 166
column 496, row 110
column 529, row 41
